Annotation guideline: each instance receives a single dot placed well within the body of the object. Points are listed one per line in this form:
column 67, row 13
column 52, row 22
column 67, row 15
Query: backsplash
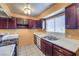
column 72, row 33
column 8, row 30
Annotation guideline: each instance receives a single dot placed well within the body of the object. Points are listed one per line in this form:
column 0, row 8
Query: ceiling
column 37, row 8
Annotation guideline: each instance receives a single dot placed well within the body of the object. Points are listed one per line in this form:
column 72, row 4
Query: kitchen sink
column 50, row 38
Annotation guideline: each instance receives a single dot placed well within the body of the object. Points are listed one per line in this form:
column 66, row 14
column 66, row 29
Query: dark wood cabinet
column 31, row 23
column 35, row 23
column 22, row 23
column 72, row 16
column 43, row 46
column 78, row 18
column 18, row 23
column 59, row 51
column 3, row 23
column 11, row 23
column 50, row 49
column 77, row 15
column 38, row 23
column 46, row 48
column 7, row 23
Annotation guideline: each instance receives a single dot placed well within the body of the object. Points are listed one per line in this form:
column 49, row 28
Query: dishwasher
column 38, row 42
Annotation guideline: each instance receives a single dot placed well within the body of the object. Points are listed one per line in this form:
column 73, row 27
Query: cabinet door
column 77, row 5
column 43, row 45
column 11, row 23
column 35, row 24
column 48, row 47
column 78, row 17
column 31, row 22
column 71, row 18
column 39, row 24
column 3, row 23
column 56, row 53
column 59, row 51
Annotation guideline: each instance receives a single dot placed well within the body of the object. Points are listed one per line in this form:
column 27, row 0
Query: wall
column 53, row 8
column 26, row 35
column 72, row 33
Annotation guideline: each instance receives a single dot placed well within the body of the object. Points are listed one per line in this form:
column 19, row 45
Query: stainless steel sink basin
column 50, row 38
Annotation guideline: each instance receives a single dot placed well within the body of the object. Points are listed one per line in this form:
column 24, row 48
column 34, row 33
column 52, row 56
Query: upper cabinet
column 11, row 23
column 38, row 23
column 7, row 23
column 77, row 16
column 35, row 23
column 17, row 23
column 31, row 23
column 3, row 23
column 72, row 16
column 22, row 23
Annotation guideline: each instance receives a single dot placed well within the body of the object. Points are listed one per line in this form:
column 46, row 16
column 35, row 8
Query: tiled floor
column 29, row 50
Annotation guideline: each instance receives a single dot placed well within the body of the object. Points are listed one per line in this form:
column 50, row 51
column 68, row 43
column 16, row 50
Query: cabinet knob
column 60, row 50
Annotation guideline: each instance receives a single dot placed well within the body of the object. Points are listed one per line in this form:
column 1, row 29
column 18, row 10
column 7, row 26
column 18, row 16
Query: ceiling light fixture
column 27, row 9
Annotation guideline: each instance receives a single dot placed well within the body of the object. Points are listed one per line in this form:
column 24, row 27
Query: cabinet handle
column 67, row 25
column 60, row 50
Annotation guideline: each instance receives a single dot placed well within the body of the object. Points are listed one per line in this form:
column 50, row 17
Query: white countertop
column 69, row 44
column 7, row 50
column 40, row 34
column 11, row 36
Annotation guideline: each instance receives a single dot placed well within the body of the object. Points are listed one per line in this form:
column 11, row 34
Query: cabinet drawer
column 46, row 47
column 42, row 47
column 63, row 51
column 56, row 53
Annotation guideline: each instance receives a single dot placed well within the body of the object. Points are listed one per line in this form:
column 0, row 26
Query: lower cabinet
column 56, row 53
column 43, row 46
column 59, row 51
column 46, row 48
column 50, row 49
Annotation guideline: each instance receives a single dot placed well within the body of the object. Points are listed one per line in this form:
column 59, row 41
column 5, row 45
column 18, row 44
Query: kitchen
column 52, row 33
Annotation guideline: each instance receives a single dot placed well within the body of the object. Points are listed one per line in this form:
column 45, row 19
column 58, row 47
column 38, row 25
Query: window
column 56, row 24
column 50, row 25
column 60, row 24
column 43, row 24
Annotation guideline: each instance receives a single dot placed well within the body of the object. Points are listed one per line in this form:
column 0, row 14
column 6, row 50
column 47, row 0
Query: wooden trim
column 54, row 8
